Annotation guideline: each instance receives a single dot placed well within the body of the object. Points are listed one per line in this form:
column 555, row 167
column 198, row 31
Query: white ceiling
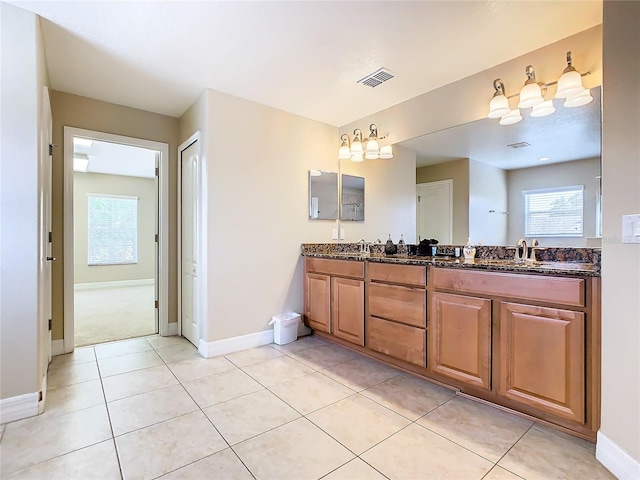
column 116, row 159
column 568, row 134
column 303, row 57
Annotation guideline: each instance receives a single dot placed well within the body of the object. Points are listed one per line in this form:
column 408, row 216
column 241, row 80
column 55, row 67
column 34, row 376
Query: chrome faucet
column 364, row 245
column 532, row 254
column 521, row 258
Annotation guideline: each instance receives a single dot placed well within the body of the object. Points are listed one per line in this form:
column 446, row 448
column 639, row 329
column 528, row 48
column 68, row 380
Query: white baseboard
column 116, row 284
column 57, row 347
column 234, row 344
column 17, row 408
column 616, row 460
column 173, row 329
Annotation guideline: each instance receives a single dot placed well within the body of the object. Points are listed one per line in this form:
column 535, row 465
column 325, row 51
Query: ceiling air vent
column 519, row 145
column 376, row 78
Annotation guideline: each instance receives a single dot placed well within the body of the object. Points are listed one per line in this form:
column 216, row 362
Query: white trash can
column 285, row 327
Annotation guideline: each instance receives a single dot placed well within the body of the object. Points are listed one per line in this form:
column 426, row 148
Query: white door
column 188, row 242
column 434, row 210
column 46, row 139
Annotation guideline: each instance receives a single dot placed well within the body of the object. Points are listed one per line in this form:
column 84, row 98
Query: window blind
column 113, row 229
column 554, row 212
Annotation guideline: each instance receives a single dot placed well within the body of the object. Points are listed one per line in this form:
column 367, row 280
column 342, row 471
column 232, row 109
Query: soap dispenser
column 469, row 251
column 390, row 248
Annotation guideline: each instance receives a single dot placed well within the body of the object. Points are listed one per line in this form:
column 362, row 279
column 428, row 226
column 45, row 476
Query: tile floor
column 151, row 407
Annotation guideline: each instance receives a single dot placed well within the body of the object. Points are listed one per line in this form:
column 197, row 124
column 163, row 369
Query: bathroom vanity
column 525, row 337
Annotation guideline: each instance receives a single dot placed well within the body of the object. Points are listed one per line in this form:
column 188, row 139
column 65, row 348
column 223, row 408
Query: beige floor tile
column 278, row 370
column 277, row 453
column 409, row 396
column 139, row 381
column 303, row 343
column 79, row 355
column 177, row 353
column 124, row 347
column 67, row 399
column 221, row 465
column 252, row 356
column 62, row 375
column 128, row 363
column 358, row 423
column 218, row 388
column 194, row 368
column 2, row 427
column 324, row 356
column 37, row 439
column 499, row 473
column 157, row 341
column 541, row 455
column 361, row 373
column 142, row 410
column 97, row 462
column 485, row 430
column 250, row 415
column 416, row 453
column 356, row 469
column 566, row 437
column 167, row 446
column 311, row 392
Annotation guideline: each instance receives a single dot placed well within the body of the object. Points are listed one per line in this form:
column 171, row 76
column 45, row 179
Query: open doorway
column 115, row 238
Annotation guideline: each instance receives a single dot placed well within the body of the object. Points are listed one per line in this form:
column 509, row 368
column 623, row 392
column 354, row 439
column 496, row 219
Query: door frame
column 163, row 226
column 448, row 182
column 199, row 288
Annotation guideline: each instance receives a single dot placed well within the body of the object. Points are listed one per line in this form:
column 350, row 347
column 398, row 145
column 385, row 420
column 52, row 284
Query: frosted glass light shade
column 357, row 158
column 372, row 150
column 356, row 148
column 512, row 117
column 580, row 99
column 543, row 109
column 498, row 106
column 569, row 84
column 530, row 96
column 386, row 152
column 344, row 153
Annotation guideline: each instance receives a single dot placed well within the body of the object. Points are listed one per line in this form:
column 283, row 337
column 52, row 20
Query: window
column 553, row 212
column 113, row 229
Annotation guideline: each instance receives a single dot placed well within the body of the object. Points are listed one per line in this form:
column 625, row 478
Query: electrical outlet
column 334, row 234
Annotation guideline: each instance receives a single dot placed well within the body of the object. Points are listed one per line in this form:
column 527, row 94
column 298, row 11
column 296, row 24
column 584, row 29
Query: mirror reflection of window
column 323, row 195
column 352, row 204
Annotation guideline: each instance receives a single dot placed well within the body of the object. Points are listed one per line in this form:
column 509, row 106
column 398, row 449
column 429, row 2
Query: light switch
column 334, row 234
column 631, row 228
column 342, row 234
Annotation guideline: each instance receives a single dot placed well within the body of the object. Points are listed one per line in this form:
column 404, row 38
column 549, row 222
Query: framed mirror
column 352, row 198
column 323, row 195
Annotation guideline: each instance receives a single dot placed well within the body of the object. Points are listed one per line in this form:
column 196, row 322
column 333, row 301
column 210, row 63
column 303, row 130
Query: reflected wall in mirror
column 323, row 195
column 352, row 198
column 491, row 165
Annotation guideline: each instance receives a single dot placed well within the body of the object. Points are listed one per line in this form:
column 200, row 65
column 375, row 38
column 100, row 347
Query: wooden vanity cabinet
column 334, row 297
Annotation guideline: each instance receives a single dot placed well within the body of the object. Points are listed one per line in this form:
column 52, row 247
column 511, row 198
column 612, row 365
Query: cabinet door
column 542, row 359
column 317, row 301
column 460, row 338
column 347, row 309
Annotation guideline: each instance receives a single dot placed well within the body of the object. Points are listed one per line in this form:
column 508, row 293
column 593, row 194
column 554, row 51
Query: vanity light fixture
column 569, row 87
column 359, row 149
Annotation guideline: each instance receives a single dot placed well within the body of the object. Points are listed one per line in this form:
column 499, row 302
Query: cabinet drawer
column 406, row 274
column 567, row 291
column 398, row 341
column 343, row 268
column 402, row 304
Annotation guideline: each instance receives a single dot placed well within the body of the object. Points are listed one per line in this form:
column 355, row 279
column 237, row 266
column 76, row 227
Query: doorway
column 434, row 209
column 115, row 225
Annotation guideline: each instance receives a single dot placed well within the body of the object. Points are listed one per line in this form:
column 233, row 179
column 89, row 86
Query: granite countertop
column 578, row 267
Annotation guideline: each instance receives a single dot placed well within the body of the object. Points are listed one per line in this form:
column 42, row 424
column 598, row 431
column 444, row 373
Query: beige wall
column 145, row 190
column 578, row 172
column 23, row 75
column 81, row 112
column 458, row 171
column 487, row 191
column 621, row 195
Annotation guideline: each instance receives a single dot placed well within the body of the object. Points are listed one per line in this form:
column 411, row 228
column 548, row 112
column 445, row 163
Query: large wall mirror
column 352, row 198
column 494, row 169
column 323, row 195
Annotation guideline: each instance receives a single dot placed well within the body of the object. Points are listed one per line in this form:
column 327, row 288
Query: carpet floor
column 104, row 315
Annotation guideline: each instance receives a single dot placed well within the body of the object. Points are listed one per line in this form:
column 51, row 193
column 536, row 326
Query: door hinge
column 157, row 172
column 50, row 237
column 51, row 145
column 50, row 324
column 157, row 304
column 157, row 238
